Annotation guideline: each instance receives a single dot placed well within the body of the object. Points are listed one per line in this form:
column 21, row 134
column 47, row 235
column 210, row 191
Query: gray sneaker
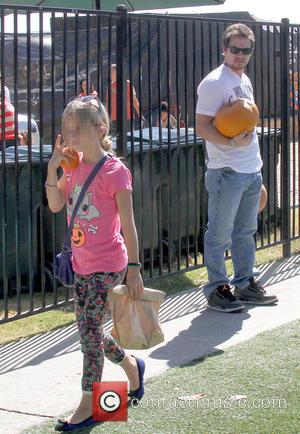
column 223, row 300
column 254, row 293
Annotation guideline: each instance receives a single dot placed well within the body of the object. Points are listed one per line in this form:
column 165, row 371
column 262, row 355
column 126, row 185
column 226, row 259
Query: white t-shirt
column 218, row 88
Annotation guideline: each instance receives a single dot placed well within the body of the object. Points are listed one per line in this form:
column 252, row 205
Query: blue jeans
column 233, row 200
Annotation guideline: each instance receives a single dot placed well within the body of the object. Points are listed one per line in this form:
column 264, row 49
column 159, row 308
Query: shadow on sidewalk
column 206, row 332
column 278, row 271
column 210, row 329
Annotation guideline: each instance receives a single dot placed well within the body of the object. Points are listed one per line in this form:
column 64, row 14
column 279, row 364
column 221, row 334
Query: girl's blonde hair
column 90, row 110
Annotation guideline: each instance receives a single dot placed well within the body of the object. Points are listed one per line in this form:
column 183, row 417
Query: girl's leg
column 90, row 301
column 127, row 362
column 91, row 308
column 130, row 368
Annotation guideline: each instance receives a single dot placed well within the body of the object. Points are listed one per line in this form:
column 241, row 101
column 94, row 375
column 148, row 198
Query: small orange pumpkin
column 263, row 198
column 72, row 159
column 241, row 115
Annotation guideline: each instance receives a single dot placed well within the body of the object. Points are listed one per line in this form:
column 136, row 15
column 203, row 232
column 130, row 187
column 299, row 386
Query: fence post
column 122, row 62
column 285, row 137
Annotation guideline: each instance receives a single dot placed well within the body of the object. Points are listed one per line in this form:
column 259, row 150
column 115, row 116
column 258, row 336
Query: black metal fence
column 158, row 58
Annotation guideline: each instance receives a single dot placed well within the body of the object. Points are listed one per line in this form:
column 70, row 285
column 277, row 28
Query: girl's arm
column 125, row 208
column 55, row 189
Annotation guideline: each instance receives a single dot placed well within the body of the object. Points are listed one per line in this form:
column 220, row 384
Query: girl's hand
column 57, row 155
column 134, row 283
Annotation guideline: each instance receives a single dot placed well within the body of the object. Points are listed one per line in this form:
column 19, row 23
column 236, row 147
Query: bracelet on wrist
column 134, row 265
column 50, row 185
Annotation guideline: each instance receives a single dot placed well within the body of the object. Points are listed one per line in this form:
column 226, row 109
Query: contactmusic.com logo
column 110, row 401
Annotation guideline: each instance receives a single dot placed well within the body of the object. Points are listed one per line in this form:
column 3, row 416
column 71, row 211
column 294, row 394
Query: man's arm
column 206, row 130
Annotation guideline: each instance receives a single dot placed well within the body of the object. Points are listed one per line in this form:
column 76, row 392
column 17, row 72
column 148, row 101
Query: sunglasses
column 94, row 100
column 237, row 50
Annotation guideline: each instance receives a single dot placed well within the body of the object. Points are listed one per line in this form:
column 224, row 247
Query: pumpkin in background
column 72, row 160
column 263, row 198
column 240, row 115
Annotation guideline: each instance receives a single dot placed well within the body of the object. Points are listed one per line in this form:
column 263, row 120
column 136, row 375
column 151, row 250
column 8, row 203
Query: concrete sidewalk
column 40, row 376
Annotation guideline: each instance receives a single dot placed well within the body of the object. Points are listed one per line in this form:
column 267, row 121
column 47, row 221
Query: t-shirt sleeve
column 210, row 98
column 118, row 178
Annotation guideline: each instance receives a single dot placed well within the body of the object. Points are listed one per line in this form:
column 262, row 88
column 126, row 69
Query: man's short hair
column 238, row 29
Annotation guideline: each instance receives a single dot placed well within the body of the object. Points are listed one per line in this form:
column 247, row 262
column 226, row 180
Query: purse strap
column 67, row 241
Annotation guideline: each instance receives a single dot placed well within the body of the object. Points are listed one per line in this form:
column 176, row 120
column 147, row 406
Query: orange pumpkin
column 72, row 159
column 263, row 198
column 241, row 115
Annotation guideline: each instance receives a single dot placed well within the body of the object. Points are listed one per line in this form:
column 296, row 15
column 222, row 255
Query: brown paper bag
column 135, row 322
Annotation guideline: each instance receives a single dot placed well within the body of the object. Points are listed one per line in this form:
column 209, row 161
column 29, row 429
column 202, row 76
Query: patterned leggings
column 91, row 308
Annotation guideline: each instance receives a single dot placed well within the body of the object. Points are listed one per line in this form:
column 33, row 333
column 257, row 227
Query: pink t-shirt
column 97, row 244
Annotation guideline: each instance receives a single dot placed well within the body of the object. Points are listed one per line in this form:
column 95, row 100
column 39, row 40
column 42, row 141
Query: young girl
column 101, row 256
column 166, row 118
column 83, row 90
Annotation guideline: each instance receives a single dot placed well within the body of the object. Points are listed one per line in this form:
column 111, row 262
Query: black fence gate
column 158, row 58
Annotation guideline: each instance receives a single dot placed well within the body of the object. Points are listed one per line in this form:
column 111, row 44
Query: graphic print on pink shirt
column 86, row 211
column 97, row 244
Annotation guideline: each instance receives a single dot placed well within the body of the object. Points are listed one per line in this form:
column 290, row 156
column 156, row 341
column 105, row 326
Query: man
column 113, row 100
column 233, row 180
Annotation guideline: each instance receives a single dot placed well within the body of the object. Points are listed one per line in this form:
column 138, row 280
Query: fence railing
column 158, row 58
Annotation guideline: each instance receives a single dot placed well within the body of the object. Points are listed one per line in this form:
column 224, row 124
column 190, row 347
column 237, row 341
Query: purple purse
column 62, row 265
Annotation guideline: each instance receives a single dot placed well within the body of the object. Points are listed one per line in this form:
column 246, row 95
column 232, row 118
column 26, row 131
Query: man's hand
column 243, row 139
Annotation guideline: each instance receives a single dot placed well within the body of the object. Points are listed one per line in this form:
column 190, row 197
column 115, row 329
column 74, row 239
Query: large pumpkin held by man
column 236, row 117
